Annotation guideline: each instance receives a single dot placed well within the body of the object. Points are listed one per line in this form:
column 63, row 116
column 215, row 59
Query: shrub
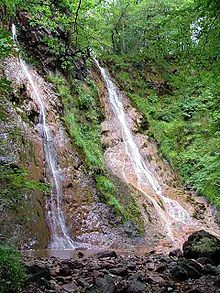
column 12, row 272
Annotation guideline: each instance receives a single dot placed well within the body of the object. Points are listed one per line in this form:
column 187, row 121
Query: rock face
column 90, row 223
column 202, row 244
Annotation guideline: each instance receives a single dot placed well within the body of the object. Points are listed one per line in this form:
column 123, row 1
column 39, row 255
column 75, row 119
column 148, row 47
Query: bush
column 12, row 272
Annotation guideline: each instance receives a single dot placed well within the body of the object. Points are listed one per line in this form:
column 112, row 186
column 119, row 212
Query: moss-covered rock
column 202, row 244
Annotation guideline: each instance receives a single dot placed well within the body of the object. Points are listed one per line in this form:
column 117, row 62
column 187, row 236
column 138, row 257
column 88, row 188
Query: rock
column 194, row 290
column 135, row 286
column 186, row 269
column 179, row 274
column 202, row 244
column 210, row 270
column 71, row 287
column 218, row 269
column 217, row 281
column 64, row 270
column 160, row 268
column 38, row 273
column 204, row 260
column 106, row 284
column 104, row 254
column 119, row 271
column 80, row 254
column 175, row 253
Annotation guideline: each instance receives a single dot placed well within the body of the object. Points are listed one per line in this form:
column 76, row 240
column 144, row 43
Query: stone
column 194, row 290
column 217, row 281
column 204, row 261
column 104, row 254
column 135, row 286
column 210, row 270
column 106, row 284
column 71, row 287
column 64, row 270
column 179, row 273
column 160, row 268
column 175, row 253
column 202, row 244
column 185, row 269
column 38, row 273
column 119, row 271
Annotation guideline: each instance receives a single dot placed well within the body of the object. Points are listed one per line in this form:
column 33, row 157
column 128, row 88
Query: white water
column 59, row 234
column 171, row 211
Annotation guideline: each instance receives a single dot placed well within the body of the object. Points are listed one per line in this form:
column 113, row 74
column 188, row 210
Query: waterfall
column 170, row 212
column 59, row 234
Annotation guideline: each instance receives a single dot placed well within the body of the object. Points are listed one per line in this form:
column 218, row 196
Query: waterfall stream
column 169, row 211
column 59, row 234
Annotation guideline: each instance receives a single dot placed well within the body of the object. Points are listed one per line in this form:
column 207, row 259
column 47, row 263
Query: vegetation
column 82, row 116
column 15, row 184
column 124, row 206
column 12, row 272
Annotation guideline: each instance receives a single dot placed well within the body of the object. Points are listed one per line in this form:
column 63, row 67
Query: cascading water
column 59, row 233
column 169, row 210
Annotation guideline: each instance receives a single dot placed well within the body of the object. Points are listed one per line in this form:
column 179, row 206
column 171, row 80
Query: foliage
column 107, row 188
column 5, row 43
column 110, row 196
column 15, row 184
column 82, row 117
column 12, row 272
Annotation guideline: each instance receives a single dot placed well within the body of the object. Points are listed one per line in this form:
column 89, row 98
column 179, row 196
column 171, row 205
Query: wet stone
column 71, row 287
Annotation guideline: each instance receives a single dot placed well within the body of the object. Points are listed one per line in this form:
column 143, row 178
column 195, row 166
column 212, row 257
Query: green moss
column 127, row 209
column 108, row 191
column 82, row 116
column 15, row 184
column 205, row 245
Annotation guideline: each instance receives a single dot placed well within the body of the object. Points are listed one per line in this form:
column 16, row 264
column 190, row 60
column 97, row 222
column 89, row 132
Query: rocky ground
column 193, row 270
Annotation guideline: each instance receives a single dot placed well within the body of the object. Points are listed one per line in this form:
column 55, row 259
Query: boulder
column 186, row 268
column 202, row 244
column 103, row 254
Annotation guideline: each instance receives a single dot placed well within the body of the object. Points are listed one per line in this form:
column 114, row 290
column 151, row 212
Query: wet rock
column 65, row 270
column 119, row 271
column 209, row 269
column 204, row 260
column 217, row 281
column 218, row 269
column 194, row 290
column 202, row 244
column 160, row 268
column 38, row 273
column 80, row 254
column 179, row 273
column 106, row 284
column 71, row 287
column 104, row 254
column 175, row 253
column 135, row 286
column 186, row 269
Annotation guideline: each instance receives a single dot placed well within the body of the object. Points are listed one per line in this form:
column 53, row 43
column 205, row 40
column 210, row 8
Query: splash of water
column 170, row 211
column 59, row 233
